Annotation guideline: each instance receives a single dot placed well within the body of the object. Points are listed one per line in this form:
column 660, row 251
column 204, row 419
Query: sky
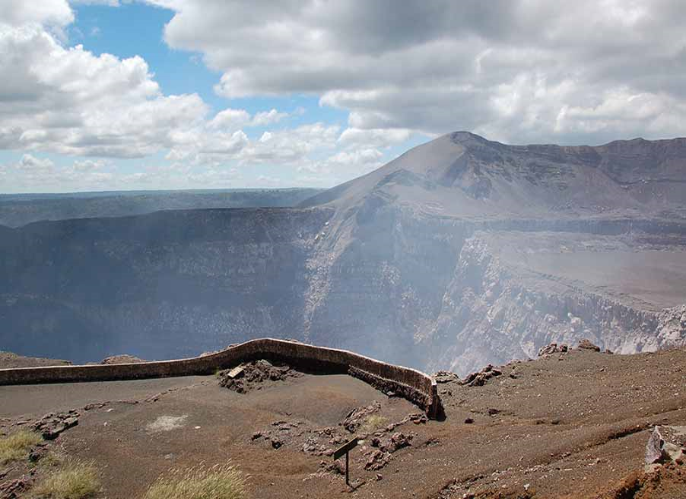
column 183, row 94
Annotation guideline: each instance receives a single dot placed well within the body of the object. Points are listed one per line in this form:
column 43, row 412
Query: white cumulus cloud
column 519, row 70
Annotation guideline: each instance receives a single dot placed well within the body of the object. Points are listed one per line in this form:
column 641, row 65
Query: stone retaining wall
column 409, row 383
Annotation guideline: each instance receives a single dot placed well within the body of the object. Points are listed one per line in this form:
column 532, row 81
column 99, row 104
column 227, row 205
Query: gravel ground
column 568, row 425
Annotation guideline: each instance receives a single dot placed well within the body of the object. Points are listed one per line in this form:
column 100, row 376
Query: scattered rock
column 418, row 418
column 357, row 417
column 666, row 444
column 400, row 440
column 313, row 447
column 553, row 348
column 247, row 376
column 468, row 421
column 377, row 460
column 480, row 378
column 587, row 345
column 122, row 359
column 38, row 452
column 13, row 489
column 280, row 434
column 51, row 425
column 97, row 405
column 445, row 377
column 654, row 447
column 432, row 441
column 336, row 468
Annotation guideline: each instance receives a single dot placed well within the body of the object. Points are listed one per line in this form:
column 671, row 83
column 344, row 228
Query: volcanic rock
column 51, row 425
column 553, row 348
column 666, row 444
column 357, row 417
column 446, row 377
column 122, row 359
column 14, row 489
column 480, row 378
column 585, row 344
column 400, row 440
column 248, row 376
column 377, row 460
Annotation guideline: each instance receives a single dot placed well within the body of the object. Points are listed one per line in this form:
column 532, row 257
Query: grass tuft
column 373, row 423
column 52, row 460
column 217, row 482
column 75, row 480
column 16, row 447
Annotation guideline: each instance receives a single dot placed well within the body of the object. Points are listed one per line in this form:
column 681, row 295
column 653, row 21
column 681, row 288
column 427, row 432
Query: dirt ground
column 567, row 425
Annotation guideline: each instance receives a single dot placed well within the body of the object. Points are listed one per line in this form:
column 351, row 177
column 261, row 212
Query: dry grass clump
column 218, row 482
column 52, row 459
column 75, row 480
column 373, row 423
column 16, row 446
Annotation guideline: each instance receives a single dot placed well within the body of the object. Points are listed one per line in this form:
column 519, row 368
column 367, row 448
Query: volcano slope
column 461, row 252
column 569, row 425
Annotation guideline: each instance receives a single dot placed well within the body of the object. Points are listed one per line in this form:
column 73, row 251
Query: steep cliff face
column 494, row 312
column 164, row 285
column 380, row 281
column 459, row 253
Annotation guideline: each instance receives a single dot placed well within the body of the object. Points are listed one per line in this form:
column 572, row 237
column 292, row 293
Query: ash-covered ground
column 573, row 423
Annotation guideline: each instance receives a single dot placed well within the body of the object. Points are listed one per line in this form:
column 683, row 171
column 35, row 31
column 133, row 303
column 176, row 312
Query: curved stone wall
column 409, row 383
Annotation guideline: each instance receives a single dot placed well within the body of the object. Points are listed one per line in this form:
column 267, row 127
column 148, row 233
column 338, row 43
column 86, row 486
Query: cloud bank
column 518, row 70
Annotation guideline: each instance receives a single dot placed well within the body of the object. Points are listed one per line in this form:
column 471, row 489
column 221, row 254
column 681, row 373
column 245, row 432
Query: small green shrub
column 373, row 423
column 16, row 446
column 75, row 480
column 218, row 482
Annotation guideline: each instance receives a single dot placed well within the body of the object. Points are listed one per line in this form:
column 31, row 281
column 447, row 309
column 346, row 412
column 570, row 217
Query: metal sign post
column 345, row 449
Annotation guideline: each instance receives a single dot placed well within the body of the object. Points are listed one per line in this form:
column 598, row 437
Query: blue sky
column 171, row 94
column 137, row 29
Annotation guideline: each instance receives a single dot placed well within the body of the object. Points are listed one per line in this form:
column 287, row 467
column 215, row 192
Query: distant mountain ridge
column 486, row 178
column 20, row 209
